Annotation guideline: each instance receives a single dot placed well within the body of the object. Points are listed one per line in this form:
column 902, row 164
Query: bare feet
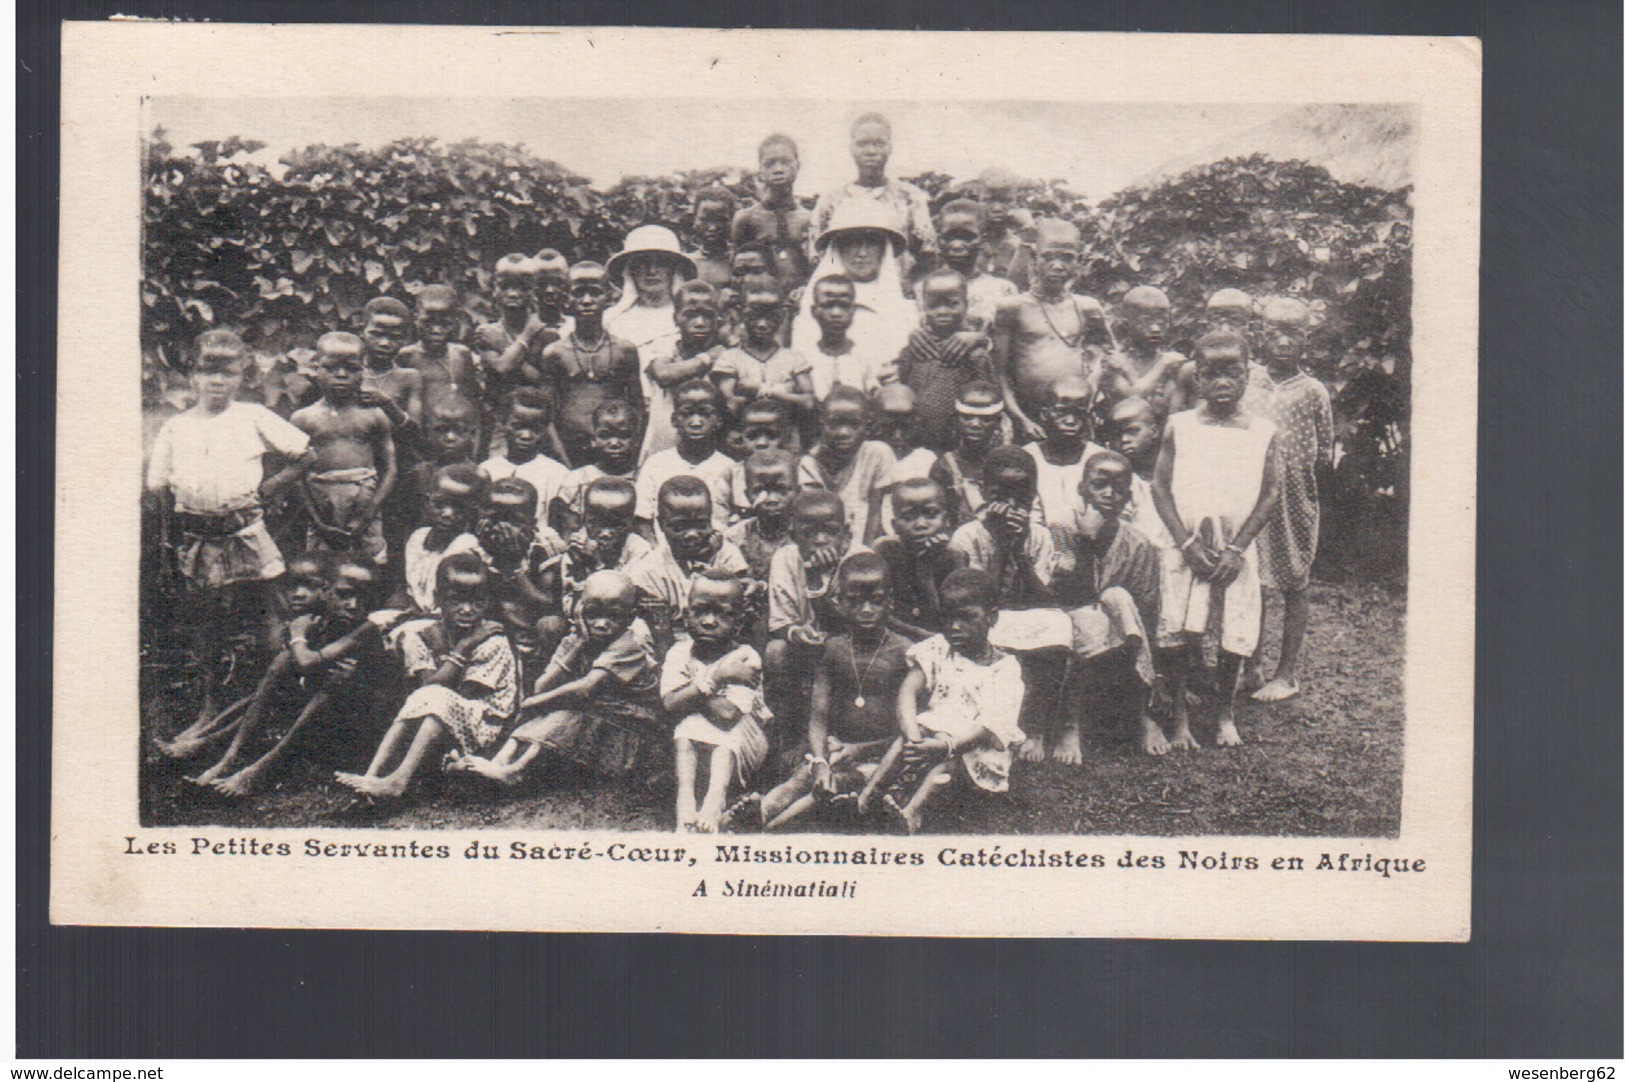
column 179, row 748
column 1228, row 737
column 1183, row 738
column 910, row 823
column 211, row 775
column 245, row 782
column 454, row 762
column 1151, row 737
column 1068, row 749
column 1278, row 690
column 1032, row 750
column 369, row 786
column 485, row 768
column 1252, row 677
column 746, row 811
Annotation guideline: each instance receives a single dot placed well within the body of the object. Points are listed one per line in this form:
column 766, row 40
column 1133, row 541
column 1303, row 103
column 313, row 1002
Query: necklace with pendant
column 1075, row 340
column 858, row 700
column 589, row 358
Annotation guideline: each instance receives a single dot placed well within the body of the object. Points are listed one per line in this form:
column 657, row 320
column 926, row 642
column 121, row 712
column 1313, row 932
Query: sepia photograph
column 1011, row 467
column 837, row 471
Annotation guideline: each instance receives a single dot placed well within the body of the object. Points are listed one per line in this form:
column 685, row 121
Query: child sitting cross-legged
column 956, row 710
column 713, row 683
column 596, row 704
column 856, row 679
column 467, row 683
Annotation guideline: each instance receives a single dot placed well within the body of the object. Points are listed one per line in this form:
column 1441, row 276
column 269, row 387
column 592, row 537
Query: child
column 1226, row 310
column 978, row 411
column 777, row 221
column 919, row 556
column 386, row 328
column 603, row 542
column 614, row 452
column 696, row 354
column 467, row 683
column 514, row 544
column 687, row 543
column 959, row 234
column 529, row 426
column 450, row 430
column 1004, row 250
column 447, row 367
column 941, row 357
column 771, row 483
column 906, row 208
column 896, row 424
column 834, row 358
column 858, row 470
column 588, row 366
column 510, row 347
column 553, row 293
column 1137, row 436
column 208, row 474
column 799, row 603
column 333, row 657
column 522, row 623
column 856, row 680
column 1047, row 332
column 354, row 471
column 1108, row 579
column 714, row 208
column 455, row 499
column 714, row 684
column 1301, row 410
column 597, row 703
column 754, row 261
column 303, row 588
column 697, row 416
column 764, row 425
column 1140, row 367
column 1066, row 444
column 759, row 367
column 971, row 693
column 1216, row 488
column 1009, row 541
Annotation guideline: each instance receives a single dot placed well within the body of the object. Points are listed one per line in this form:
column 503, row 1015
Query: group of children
column 652, row 522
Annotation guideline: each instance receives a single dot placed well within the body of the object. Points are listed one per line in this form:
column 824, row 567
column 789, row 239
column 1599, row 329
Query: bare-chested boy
column 355, row 467
column 1141, row 367
column 714, row 208
column 447, row 367
column 510, row 346
column 1047, row 332
column 589, row 365
column 777, row 220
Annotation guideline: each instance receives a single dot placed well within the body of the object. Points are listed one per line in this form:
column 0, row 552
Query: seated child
column 588, row 366
column 759, row 367
column 978, row 411
column 614, row 450
column 603, row 542
column 764, row 424
column 687, row 543
column 455, row 502
column 207, row 474
column 327, row 671
column 771, row 483
column 1140, row 367
column 597, row 703
column 514, row 546
column 1216, row 487
column 959, row 236
column 918, row 557
column 467, row 683
column 856, row 469
column 1301, row 410
column 697, row 411
column 942, row 356
column 528, row 428
column 698, row 350
column 447, row 367
column 1108, row 579
column 522, row 623
column 1066, row 444
column 354, row 471
column 1009, row 541
column 304, row 588
column 853, row 718
column 713, row 683
column 956, row 710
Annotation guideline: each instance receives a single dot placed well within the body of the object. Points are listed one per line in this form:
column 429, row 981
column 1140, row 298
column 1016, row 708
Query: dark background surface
column 1542, row 976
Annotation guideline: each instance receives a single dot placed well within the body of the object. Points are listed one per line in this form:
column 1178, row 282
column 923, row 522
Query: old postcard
column 766, row 482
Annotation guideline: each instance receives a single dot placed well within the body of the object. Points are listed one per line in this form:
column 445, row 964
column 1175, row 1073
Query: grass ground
column 1327, row 763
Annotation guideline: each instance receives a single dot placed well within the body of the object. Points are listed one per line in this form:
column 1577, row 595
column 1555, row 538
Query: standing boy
column 1140, row 367
column 959, row 234
column 697, row 416
column 354, row 471
column 941, row 357
column 588, row 365
column 777, row 220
